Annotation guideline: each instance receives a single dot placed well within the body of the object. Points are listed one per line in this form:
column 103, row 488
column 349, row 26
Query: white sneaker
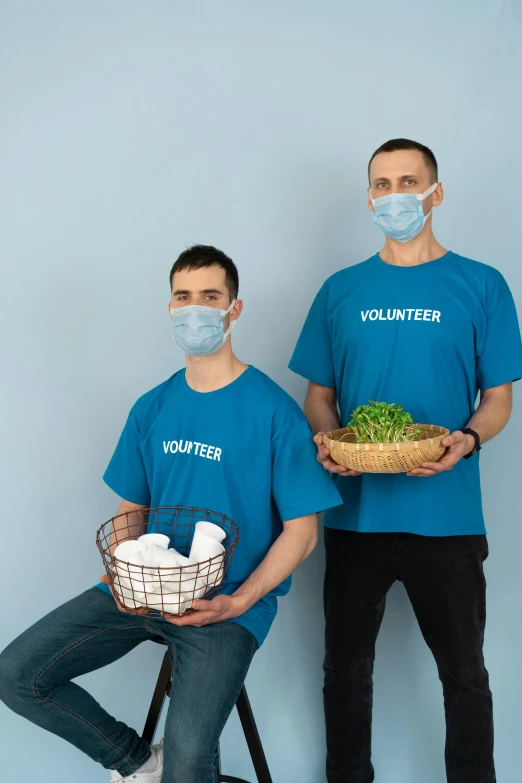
column 152, row 776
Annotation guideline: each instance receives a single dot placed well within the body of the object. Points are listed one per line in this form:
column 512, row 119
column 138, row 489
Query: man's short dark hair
column 200, row 256
column 407, row 144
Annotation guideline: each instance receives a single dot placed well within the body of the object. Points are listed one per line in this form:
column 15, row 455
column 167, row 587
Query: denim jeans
column 209, row 666
column 445, row 583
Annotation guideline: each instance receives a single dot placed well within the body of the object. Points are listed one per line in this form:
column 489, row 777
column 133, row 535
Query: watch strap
column 476, row 437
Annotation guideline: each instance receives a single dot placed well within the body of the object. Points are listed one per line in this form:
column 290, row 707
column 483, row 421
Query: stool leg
column 252, row 737
column 158, row 700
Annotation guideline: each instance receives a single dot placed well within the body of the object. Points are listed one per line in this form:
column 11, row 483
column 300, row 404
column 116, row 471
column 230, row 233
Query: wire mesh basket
column 386, row 457
column 155, row 575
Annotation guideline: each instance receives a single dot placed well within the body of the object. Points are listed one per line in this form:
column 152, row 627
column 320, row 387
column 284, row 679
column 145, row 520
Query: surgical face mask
column 200, row 330
column 400, row 215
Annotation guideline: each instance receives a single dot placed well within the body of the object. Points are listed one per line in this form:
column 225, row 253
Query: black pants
column 445, row 582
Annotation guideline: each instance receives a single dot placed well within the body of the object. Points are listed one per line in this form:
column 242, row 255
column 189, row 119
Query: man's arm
column 288, row 551
column 489, row 419
column 321, row 410
column 128, row 523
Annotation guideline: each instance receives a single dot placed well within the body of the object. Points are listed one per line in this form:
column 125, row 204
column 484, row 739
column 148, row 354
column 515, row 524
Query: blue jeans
column 209, row 666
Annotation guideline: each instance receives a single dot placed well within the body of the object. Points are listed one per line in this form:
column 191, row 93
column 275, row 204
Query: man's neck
column 421, row 250
column 219, row 369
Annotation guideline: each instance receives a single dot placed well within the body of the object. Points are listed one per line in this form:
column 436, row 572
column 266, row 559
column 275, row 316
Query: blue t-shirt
column 244, row 451
column 427, row 337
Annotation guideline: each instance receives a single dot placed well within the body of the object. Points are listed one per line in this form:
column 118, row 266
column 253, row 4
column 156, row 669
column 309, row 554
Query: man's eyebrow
column 185, row 291
column 402, row 176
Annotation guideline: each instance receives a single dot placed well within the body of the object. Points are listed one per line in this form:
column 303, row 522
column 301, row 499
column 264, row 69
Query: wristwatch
column 477, row 446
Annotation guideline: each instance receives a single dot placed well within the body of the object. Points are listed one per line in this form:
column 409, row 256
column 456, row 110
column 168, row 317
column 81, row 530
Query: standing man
column 242, row 448
column 426, row 328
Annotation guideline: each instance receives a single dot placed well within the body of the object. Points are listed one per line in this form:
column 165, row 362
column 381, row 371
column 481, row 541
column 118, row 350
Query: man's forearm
column 287, row 552
column 128, row 523
column 320, row 409
column 493, row 413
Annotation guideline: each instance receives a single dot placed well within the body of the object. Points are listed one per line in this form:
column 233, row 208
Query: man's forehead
column 200, row 279
column 398, row 163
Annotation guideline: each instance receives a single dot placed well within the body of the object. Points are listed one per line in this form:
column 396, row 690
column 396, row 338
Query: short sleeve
column 300, row 485
column 499, row 358
column 126, row 474
column 313, row 356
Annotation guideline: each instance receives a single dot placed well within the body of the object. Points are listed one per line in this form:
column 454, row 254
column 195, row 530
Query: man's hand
column 324, row 457
column 106, row 581
column 457, row 445
column 222, row 607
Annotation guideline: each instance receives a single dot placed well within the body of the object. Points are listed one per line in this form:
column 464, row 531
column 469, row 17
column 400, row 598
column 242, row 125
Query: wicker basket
column 386, row 457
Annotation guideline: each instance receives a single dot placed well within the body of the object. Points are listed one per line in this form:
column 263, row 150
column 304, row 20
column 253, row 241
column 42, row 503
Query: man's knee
column 470, row 674
column 189, row 760
column 356, row 666
column 16, row 680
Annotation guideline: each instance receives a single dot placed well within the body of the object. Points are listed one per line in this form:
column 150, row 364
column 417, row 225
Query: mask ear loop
column 424, row 195
column 431, row 189
column 231, row 324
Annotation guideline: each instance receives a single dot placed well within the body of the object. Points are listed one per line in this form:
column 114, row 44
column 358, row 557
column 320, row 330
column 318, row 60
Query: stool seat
column 164, row 688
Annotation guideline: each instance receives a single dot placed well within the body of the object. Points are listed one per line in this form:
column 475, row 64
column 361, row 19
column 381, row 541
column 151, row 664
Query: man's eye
column 381, row 185
column 410, row 182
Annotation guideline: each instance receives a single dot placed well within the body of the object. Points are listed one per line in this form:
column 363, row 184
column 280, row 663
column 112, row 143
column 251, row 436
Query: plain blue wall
column 130, row 130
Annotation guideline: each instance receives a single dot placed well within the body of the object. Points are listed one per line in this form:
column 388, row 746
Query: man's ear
column 370, row 205
column 438, row 195
column 236, row 310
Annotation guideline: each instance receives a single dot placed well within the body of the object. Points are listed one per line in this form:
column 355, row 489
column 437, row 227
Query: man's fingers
column 434, row 467
column 198, row 618
column 324, row 457
column 323, row 453
column 421, row 472
column 453, row 438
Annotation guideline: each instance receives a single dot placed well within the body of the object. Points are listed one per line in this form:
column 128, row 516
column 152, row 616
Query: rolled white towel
column 203, row 546
column 155, row 538
column 128, row 548
column 172, row 602
column 211, row 530
column 131, row 599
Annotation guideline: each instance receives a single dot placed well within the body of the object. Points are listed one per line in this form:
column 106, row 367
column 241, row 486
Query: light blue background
column 130, row 130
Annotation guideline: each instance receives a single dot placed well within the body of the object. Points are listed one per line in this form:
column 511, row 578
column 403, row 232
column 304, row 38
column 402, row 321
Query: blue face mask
column 400, row 215
column 200, row 330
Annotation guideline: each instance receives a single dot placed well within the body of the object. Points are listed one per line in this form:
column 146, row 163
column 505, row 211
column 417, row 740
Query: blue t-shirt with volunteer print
column 427, row 337
column 245, row 451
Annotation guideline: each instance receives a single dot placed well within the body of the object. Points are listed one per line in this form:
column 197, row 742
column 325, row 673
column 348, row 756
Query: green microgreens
column 379, row 422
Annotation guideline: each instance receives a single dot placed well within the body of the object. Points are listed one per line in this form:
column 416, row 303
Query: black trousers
column 445, row 582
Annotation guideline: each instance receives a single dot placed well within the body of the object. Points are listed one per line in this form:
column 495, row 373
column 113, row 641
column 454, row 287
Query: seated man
column 263, row 474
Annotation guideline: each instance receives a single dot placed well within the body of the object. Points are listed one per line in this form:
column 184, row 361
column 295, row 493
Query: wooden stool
column 164, row 688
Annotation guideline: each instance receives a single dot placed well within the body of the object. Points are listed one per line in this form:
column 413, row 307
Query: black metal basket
column 152, row 590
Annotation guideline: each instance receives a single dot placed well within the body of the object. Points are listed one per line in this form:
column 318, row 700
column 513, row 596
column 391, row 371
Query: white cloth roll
column 211, row 530
column 204, row 547
column 154, row 554
column 155, row 538
column 172, row 602
column 128, row 548
column 131, row 599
